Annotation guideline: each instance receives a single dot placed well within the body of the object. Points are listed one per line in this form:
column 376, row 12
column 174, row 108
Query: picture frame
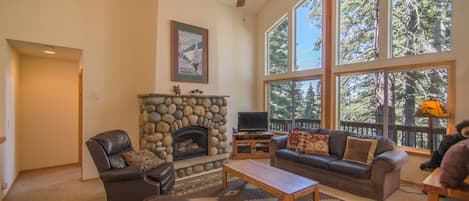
column 189, row 53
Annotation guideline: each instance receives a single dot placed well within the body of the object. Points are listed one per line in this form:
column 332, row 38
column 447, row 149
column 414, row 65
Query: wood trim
column 416, row 152
column 90, row 179
column 393, row 68
column 80, row 119
column 327, row 100
column 51, row 167
column 451, row 104
column 2, row 139
column 419, row 185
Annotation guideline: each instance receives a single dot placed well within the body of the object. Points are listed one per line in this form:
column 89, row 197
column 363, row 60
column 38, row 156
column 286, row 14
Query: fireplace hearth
column 189, row 142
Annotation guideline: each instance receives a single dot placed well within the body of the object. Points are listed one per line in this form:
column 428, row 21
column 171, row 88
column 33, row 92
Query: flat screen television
column 252, row 121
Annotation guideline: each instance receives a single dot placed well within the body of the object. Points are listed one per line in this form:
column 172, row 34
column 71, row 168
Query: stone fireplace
column 177, row 127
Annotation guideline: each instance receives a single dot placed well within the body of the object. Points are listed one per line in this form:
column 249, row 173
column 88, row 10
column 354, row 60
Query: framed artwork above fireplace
column 189, row 53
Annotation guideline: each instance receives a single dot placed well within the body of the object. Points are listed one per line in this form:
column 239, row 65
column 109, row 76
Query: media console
column 251, row 145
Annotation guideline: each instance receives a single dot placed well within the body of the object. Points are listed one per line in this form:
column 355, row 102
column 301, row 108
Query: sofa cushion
column 316, row 144
column 384, row 144
column 360, row 150
column 350, row 168
column 295, row 140
column 316, row 160
column 337, row 141
column 288, row 154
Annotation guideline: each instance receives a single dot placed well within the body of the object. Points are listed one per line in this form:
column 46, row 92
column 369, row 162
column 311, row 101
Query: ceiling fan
column 240, row 3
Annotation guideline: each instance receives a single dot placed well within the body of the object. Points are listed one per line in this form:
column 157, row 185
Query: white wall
column 460, row 46
column 231, row 51
column 9, row 152
column 47, row 112
column 118, row 40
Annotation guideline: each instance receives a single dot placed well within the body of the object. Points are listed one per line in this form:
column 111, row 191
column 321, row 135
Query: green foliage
column 358, row 29
column 420, row 26
column 292, row 98
column 277, row 42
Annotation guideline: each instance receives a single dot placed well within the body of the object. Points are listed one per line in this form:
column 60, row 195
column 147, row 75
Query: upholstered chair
column 121, row 181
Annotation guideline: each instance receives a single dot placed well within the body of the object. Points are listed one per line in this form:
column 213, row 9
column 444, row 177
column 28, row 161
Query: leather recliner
column 123, row 182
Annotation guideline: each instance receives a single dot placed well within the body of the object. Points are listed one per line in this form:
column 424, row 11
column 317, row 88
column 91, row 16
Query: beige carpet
column 64, row 184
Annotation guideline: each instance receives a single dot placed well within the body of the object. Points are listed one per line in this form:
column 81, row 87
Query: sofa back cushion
column 337, row 141
column 316, row 144
column 360, row 150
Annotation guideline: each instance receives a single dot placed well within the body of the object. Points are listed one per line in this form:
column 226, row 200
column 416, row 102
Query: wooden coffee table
column 280, row 183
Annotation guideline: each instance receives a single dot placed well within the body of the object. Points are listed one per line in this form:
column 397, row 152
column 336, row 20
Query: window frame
column 450, row 65
column 295, row 79
column 331, row 67
column 267, row 46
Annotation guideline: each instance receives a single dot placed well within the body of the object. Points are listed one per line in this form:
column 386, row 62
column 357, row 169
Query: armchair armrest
column 119, row 174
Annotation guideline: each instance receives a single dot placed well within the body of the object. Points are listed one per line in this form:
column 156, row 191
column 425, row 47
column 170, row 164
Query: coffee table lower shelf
column 280, row 183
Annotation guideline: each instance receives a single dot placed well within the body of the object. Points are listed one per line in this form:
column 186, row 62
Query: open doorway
column 48, row 105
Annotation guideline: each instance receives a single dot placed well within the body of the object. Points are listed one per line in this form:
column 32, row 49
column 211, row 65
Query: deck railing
column 402, row 135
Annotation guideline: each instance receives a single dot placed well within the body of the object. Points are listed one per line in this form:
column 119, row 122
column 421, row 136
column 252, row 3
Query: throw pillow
column 316, row 144
column 295, row 140
column 360, row 150
column 455, row 164
column 145, row 159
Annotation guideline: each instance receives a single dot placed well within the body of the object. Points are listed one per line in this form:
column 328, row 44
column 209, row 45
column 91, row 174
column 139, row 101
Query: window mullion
column 384, row 27
column 386, row 105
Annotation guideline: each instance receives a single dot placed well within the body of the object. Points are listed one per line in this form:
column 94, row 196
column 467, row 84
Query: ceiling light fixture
column 49, row 52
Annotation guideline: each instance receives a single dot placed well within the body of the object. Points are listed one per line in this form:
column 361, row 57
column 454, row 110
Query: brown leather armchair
column 123, row 182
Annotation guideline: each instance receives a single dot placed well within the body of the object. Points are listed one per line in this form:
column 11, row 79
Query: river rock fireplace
column 182, row 126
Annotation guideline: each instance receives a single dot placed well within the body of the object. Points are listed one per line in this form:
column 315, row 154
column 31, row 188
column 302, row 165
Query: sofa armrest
column 277, row 143
column 395, row 158
column 120, row 174
column 387, row 162
column 280, row 142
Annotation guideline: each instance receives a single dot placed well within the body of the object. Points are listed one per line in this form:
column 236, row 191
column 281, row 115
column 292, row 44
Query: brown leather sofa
column 377, row 181
column 123, row 182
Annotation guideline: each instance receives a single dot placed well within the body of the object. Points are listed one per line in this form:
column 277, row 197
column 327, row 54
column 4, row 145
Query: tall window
column 294, row 103
column 277, row 45
column 358, row 31
column 370, row 99
column 308, row 35
column 420, row 26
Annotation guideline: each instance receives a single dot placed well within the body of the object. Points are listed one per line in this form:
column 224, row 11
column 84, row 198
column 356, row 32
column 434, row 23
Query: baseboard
column 5, row 193
column 418, row 185
column 50, row 167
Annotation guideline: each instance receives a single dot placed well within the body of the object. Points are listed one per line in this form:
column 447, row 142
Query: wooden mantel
column 2, row 139
column 188, row 95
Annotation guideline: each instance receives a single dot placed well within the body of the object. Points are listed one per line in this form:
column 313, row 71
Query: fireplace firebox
column 190, row 142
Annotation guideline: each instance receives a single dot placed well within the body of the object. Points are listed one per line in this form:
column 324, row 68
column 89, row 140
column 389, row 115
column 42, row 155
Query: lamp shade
column 431, row 108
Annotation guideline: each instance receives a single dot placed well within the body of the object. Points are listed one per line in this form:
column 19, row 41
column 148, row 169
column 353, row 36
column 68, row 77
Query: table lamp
column 431, row 109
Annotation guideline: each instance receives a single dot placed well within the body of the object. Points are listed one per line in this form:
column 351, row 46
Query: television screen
column 252, row 121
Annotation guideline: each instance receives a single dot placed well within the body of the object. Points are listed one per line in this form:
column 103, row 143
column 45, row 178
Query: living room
column 126, row 51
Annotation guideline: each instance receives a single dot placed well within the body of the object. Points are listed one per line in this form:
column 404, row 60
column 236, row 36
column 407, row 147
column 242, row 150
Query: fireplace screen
column 190, row 142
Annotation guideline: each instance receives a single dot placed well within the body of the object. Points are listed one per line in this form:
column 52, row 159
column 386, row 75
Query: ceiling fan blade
column 240, row 3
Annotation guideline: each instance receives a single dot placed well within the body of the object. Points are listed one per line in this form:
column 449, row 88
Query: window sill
column 415, row 151
column 2, row 139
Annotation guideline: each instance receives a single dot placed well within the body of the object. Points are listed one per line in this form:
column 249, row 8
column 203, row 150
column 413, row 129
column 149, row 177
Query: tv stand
column 251, row 145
